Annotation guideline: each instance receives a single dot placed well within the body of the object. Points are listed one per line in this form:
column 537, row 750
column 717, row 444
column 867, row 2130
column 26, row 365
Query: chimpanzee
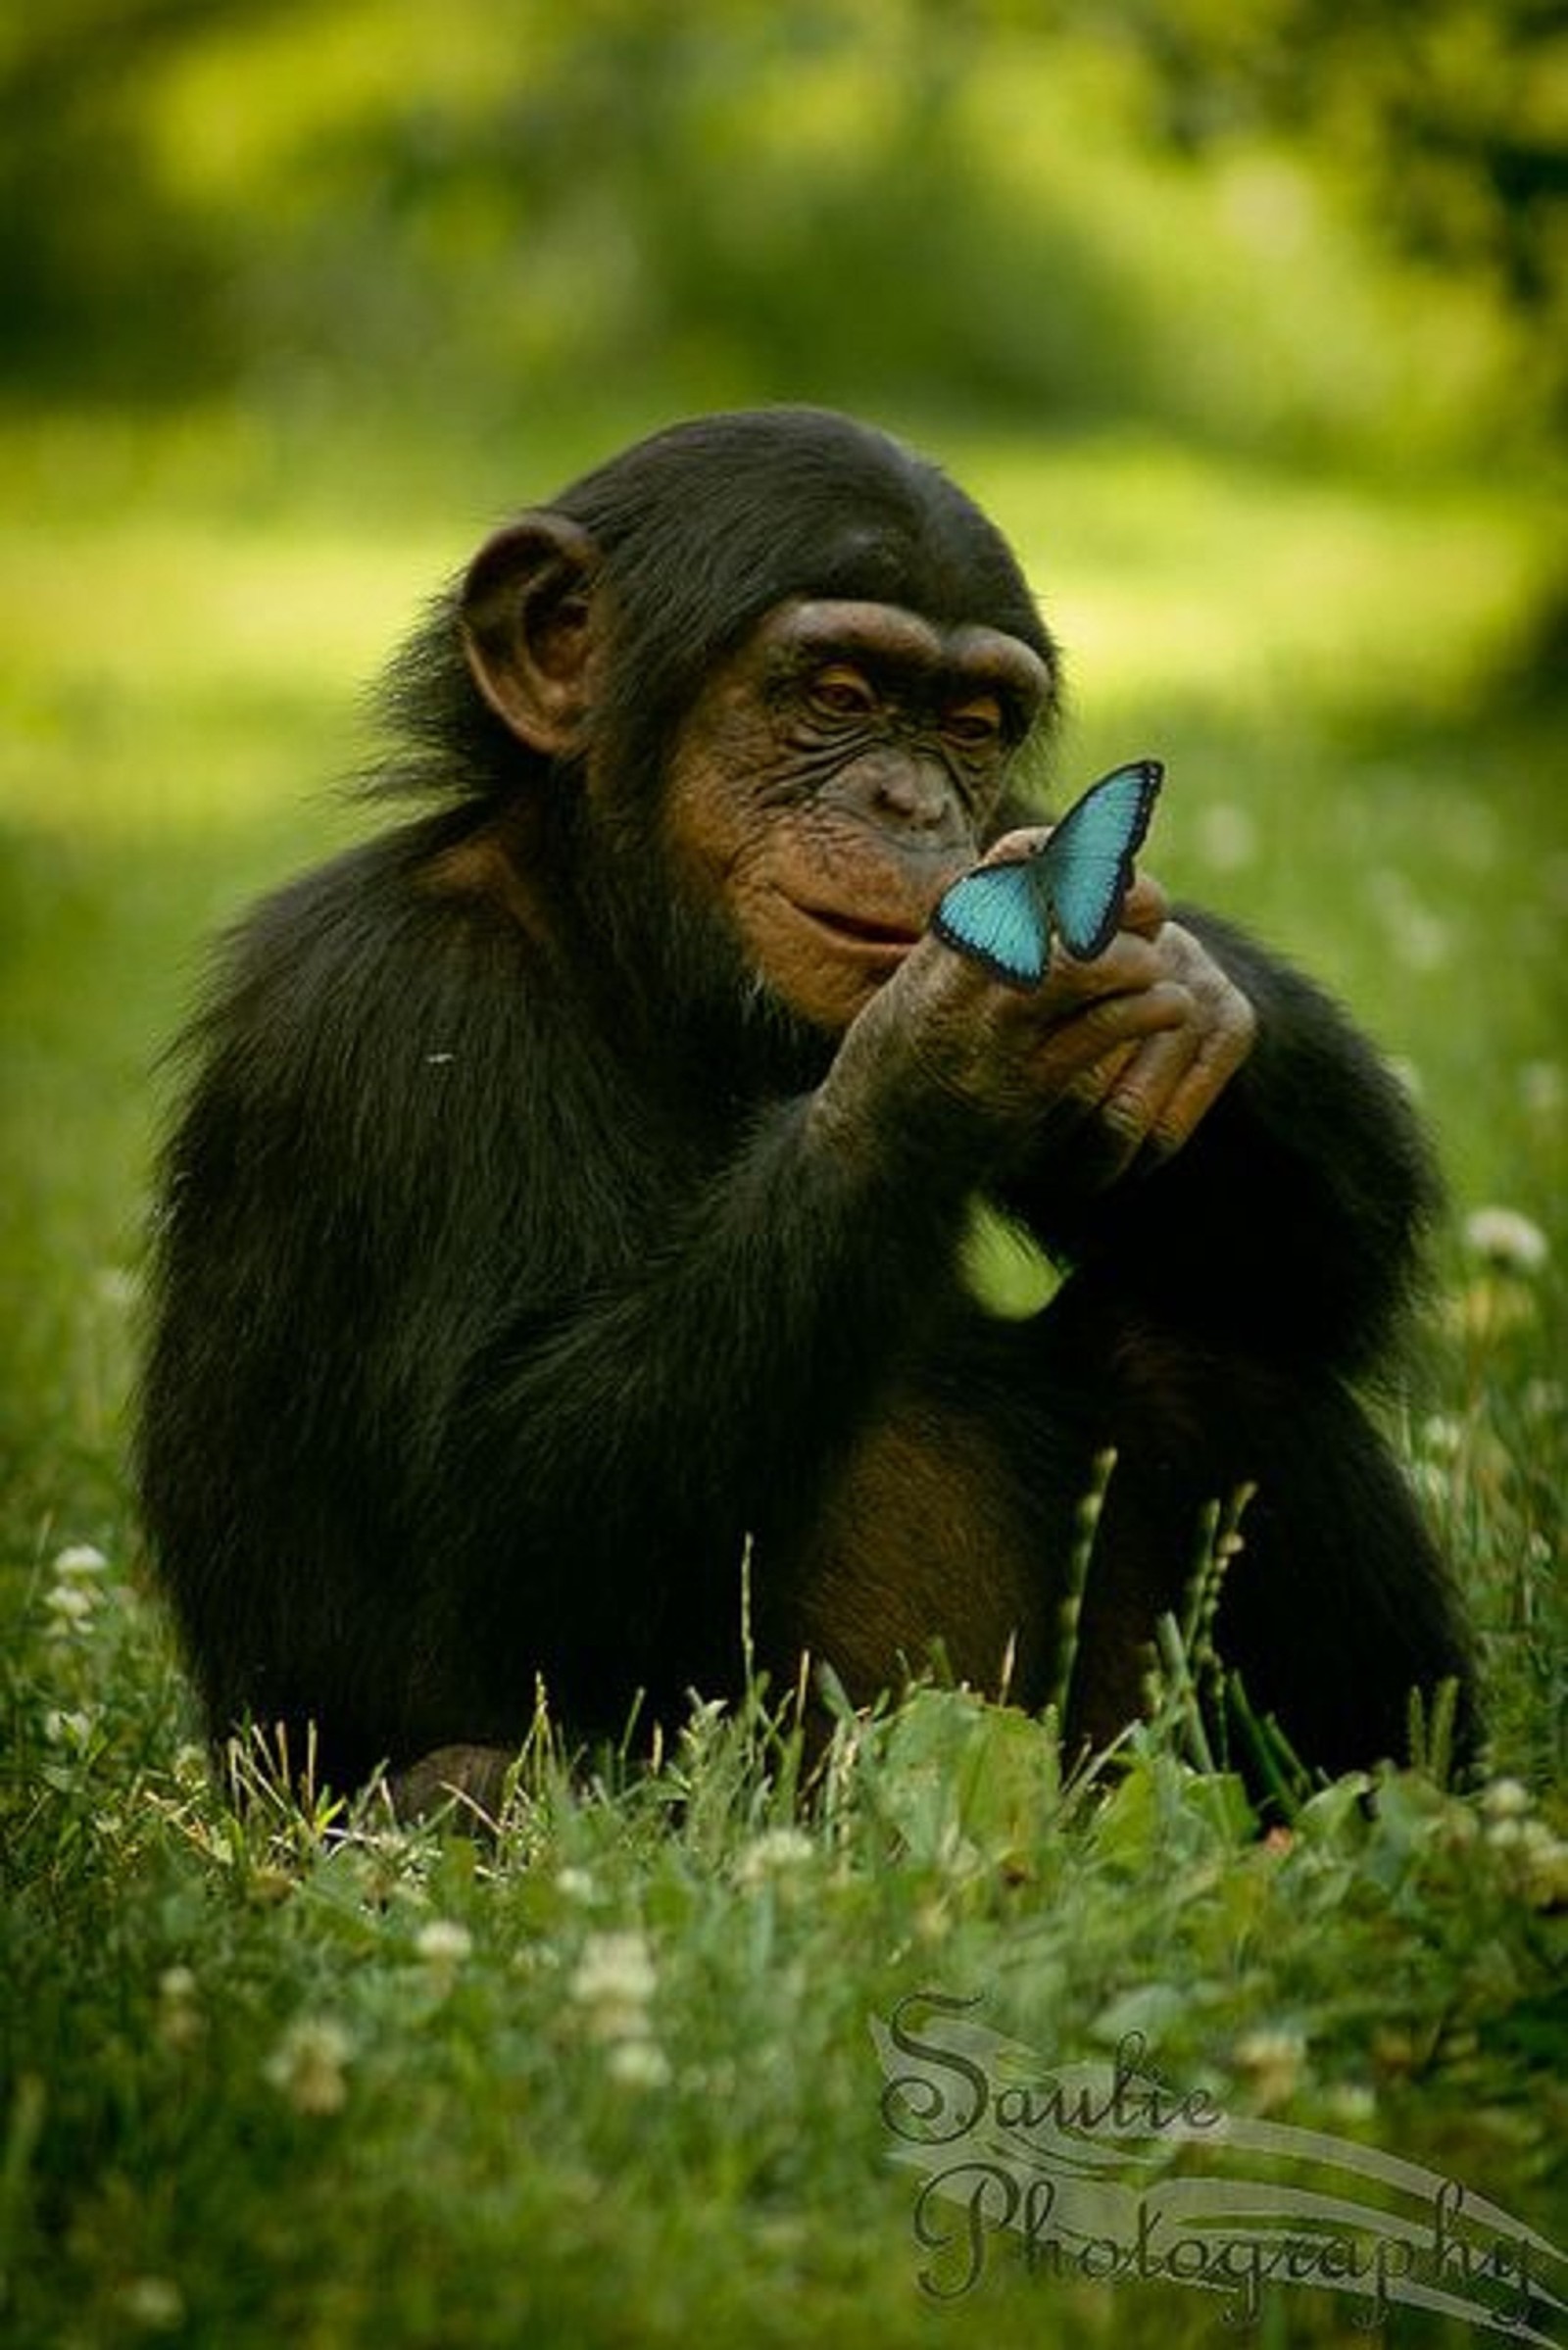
column 572, row 1196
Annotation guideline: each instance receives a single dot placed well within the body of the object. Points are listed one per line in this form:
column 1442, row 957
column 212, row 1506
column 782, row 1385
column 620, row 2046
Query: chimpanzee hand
column 1104, row 1060
column 1148, row 1097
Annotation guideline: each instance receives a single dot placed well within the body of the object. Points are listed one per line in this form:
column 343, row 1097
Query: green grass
column 249, row 2095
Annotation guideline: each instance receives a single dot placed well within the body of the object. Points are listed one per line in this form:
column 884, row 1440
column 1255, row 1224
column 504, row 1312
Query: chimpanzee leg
column 1336, row 1607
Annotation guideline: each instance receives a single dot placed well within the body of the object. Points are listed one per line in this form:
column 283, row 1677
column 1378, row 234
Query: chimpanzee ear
column 528, row 628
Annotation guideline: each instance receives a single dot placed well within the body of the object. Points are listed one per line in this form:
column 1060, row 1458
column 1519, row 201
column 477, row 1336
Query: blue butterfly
column 1003, row 915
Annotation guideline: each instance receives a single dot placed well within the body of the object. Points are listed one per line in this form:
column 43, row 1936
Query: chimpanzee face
column 777, row 833
column 834, row 776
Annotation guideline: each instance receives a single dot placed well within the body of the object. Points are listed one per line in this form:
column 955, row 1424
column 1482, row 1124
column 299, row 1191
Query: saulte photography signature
column 1100, row 2170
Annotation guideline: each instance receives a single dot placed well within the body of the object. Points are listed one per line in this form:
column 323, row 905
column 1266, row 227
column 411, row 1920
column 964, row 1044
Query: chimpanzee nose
column 915, row 795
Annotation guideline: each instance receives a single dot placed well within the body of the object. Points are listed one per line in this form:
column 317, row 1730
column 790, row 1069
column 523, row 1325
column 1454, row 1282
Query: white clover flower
column 1544, row 1088
column 443, row 1943
column 154, row 2304
column 613, row 1983
column 1227, row 837
column 614, row 1966
column 1506, row 1799
column 1507, row 1239
column 774, row 1853
column 1420, row 937
column 575, row 1884
column 68, row 1603
column 1272, row 2058
column 639, row 2064
column 1536, row 1854
column 308, row 2065
column 1430, row 1481
column 180, row 2022
column 68, row 1727
column 81, row 1558
column 1545, row 1866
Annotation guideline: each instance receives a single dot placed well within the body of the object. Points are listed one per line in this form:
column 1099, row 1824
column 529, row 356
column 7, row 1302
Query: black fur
column 502, row 1296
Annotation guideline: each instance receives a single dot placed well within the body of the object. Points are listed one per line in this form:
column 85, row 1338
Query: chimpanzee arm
column 456, row 1322
column 1290, row 1221
column 553, row 1312
column 720, row 1374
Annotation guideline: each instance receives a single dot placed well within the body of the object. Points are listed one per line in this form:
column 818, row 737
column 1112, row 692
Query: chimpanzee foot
column 472, row 1779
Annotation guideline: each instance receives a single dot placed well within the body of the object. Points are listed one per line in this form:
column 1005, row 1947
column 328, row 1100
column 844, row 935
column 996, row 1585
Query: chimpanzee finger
column 1072, row 1047
column 1211, row 1070
column 1145, row 907
column 1136, row 1109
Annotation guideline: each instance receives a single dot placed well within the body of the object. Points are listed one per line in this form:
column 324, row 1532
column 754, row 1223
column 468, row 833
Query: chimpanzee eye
column 841, row 691
column 974, row 725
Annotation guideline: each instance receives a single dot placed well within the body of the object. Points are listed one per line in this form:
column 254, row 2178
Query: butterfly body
column 1005, row 915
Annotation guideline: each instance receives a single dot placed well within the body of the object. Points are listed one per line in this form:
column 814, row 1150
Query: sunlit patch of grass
column 284, row 2054
column 1170, row 573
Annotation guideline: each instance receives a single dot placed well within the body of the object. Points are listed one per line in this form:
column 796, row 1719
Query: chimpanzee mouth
column 856, row 929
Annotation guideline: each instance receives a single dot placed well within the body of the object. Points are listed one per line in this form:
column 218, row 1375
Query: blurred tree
column 975, row 200
column 1449, row 116
column 107, row 279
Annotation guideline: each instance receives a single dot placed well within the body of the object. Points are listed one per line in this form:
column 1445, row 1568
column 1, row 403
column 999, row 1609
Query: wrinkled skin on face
column 829, row 781
column 836, row 776
column 833, row 779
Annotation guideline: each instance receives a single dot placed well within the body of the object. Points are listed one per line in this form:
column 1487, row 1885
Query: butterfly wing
column 996, row 915
column 1001, row 915
column 1086, row 868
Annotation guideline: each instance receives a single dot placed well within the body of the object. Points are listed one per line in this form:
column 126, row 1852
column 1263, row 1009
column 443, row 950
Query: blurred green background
column 1289, row 226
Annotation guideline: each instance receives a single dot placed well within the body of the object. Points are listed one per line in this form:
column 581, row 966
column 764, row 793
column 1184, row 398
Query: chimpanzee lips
column 859, row 929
